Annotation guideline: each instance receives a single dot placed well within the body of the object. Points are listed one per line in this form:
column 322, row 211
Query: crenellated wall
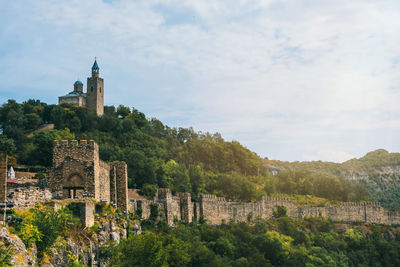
column 217, row 210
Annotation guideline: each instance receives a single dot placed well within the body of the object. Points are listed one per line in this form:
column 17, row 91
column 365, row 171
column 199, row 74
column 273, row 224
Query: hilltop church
column 94, row 96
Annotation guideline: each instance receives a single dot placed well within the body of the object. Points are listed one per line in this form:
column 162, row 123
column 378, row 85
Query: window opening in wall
column 74, row 192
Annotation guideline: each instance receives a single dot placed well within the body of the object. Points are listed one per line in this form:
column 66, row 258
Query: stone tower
column 95, row 91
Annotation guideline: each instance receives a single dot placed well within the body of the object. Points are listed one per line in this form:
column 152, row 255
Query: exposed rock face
column 385, row 170
column 356, row 176
column 87, row 250
column 20, row 255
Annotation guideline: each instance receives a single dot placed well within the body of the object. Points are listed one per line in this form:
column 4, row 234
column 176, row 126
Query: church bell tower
column 95, row 91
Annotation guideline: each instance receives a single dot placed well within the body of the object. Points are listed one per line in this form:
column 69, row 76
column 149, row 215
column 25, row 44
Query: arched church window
column 91, row 89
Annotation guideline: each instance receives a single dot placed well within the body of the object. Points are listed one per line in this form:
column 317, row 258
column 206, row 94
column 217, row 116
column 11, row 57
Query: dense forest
column 158, row 155
column 276, row 242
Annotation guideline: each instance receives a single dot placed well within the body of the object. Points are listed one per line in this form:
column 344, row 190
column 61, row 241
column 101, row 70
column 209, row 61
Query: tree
column 197, row 179
column 6, row 144
column 140, row 250
column 44, row 141
column 32, row 121
column 123, row 111
column 177, row 177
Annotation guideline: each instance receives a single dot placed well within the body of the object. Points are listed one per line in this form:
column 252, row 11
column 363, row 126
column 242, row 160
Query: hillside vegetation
column 161, row 156
column 276, row 242
column 378, row 172
column 372, row 162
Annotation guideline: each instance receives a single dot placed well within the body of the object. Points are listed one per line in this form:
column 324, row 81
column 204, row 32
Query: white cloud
column 288, row 79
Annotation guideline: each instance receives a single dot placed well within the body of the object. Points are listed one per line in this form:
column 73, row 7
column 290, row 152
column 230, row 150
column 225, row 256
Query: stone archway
column 73, row 186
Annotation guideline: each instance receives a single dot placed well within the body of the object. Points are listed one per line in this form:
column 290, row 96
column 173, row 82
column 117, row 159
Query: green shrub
column 148, row 190
column 280, row 212
column 29, row 234
column 5, row 256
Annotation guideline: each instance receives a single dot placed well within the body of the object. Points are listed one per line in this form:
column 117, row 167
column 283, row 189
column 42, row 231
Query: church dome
column 78, row 82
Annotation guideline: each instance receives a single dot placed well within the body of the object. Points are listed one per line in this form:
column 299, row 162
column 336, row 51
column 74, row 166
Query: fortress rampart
column 78, row 173
column 217, row 210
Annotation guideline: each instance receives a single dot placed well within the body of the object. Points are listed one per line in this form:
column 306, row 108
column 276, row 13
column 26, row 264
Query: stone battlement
column 276, row 199
column 84, row 144
column 211, row 197
column 164, row 193
column 372, row 204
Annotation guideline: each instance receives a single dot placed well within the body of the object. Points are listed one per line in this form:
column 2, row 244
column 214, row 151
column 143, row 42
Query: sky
column 290, row 80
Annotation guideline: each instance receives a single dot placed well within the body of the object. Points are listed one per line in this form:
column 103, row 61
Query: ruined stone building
column 77, row 172
column 94, row 96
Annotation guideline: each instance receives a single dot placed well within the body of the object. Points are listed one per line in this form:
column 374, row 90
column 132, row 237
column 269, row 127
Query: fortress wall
column 86, row 213
column 169, row 206
column 104, row 181
column 186, row 207
column 28, row 196
column 392, row 217
column 94, row 184
column 271, row 203
column 3, row 177
column 304, row 212
column 121, row 184
column 375, row 213
column 348, row 212
column 113, row 183
column 175, row 206
column 217, row 210
column 196, row 210
column 145, row 206
column 242, row 212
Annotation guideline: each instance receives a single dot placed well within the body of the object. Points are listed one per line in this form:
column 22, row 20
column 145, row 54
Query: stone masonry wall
column 74, row 165
column 121, row 184
column 77, row 168
column 104, row 181
column 217, row 210
column 86, row 212
column 28, row 196
column 3, row 177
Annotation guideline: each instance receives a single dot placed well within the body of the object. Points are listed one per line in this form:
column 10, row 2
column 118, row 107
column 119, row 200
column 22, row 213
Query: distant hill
column 372, row 162
column 378, row 170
